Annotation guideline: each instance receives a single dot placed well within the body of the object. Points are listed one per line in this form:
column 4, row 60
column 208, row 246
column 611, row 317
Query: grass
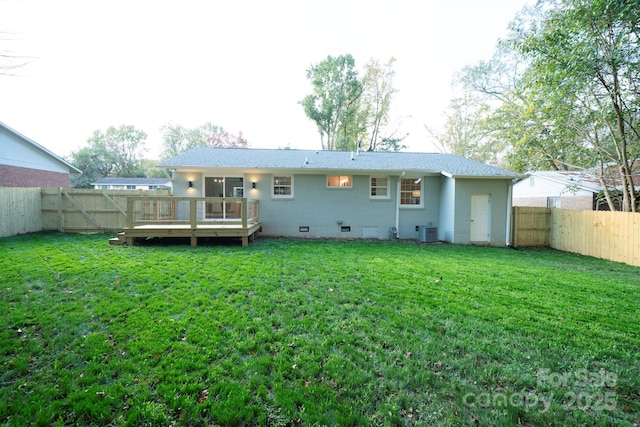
column 289, row 332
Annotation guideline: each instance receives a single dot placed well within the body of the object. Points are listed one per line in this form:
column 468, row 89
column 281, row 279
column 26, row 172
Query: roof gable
column 39, row 148
column 310, row 160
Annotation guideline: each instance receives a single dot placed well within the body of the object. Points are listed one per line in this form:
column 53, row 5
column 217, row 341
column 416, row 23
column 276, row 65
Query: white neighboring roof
column 134, row 181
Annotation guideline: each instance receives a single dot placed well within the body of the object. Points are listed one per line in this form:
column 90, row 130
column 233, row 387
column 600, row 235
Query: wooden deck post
column 193, row 213
column 193, row 218
column 244, row 214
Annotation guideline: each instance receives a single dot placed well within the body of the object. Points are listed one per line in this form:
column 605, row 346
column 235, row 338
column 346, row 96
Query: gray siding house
column 329, row 194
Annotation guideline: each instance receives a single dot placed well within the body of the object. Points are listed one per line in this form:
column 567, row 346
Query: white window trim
column 339, row 187
column 273, row 185
column 388, row 196
column 419, row 206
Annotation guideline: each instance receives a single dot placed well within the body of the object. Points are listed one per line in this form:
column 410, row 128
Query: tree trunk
column 607, row 195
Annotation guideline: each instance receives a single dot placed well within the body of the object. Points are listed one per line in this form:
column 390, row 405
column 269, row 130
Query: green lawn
column 290, row 332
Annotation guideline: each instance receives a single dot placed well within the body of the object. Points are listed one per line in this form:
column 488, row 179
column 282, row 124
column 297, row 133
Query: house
column 557, row 189
column 132, row 184
column 329, row 194
column 25, row 163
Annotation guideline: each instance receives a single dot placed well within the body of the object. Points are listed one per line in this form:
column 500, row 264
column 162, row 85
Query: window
column 131, row 187
column 334, row 181
column 282, row 186
column 379, row 188
column 411, row 192
column 553, row 202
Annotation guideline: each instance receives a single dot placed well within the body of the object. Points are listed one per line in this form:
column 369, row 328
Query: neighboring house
column 25, row 163
column 132, row 184
column 328, row 194
column 557, row 189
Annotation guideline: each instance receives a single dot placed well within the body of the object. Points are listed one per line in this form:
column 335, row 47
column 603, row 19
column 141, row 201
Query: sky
column 240, row 65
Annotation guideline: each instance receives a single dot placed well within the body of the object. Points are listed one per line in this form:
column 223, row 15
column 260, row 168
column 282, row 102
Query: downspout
column 509, row 213
column 398, row 205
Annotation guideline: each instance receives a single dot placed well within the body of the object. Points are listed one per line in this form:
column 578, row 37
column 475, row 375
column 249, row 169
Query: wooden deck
column 190, row 217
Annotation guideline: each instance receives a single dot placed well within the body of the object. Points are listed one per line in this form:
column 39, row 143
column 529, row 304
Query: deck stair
column 120, row 240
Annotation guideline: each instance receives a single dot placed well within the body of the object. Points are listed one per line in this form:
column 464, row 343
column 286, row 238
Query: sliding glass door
column 227, row 187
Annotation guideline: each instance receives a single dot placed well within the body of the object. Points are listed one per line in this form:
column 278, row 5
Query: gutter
column 510, row 177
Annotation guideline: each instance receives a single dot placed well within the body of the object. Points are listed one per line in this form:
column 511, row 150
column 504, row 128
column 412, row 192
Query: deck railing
column 193, row 211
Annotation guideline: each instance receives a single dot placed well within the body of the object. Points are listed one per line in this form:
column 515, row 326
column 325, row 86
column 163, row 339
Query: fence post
column 60, row 225
column 130, row 204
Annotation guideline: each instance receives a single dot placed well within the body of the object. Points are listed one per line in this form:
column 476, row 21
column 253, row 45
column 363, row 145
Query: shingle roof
column 265, row 159
column 132, row 181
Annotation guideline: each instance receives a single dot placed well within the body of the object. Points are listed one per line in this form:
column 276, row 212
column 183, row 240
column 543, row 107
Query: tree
column 333, row 105
column 584, row 81
column 216, row 136
column 519, row 120
column 349, row 112
column 178, row 139
column 151, row 171
column 390, row 143
column 467, row 132
column 116, row 152
column 565, row 87
column 95, row 163
column 9, row 61
column 375, row 105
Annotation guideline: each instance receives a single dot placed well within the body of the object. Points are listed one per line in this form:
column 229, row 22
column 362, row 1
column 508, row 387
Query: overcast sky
column 238, row 64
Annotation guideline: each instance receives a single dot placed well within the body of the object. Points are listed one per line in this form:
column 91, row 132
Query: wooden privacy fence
column 602, row 234
column 19, row 211
column 82, row 210
column 610, row 235
column 531, row 226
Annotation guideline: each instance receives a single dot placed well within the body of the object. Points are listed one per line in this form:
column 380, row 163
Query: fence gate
column 531, row 226
column 82, row 210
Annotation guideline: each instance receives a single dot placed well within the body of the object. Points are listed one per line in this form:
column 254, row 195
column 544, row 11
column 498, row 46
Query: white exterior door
column 480, row 218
